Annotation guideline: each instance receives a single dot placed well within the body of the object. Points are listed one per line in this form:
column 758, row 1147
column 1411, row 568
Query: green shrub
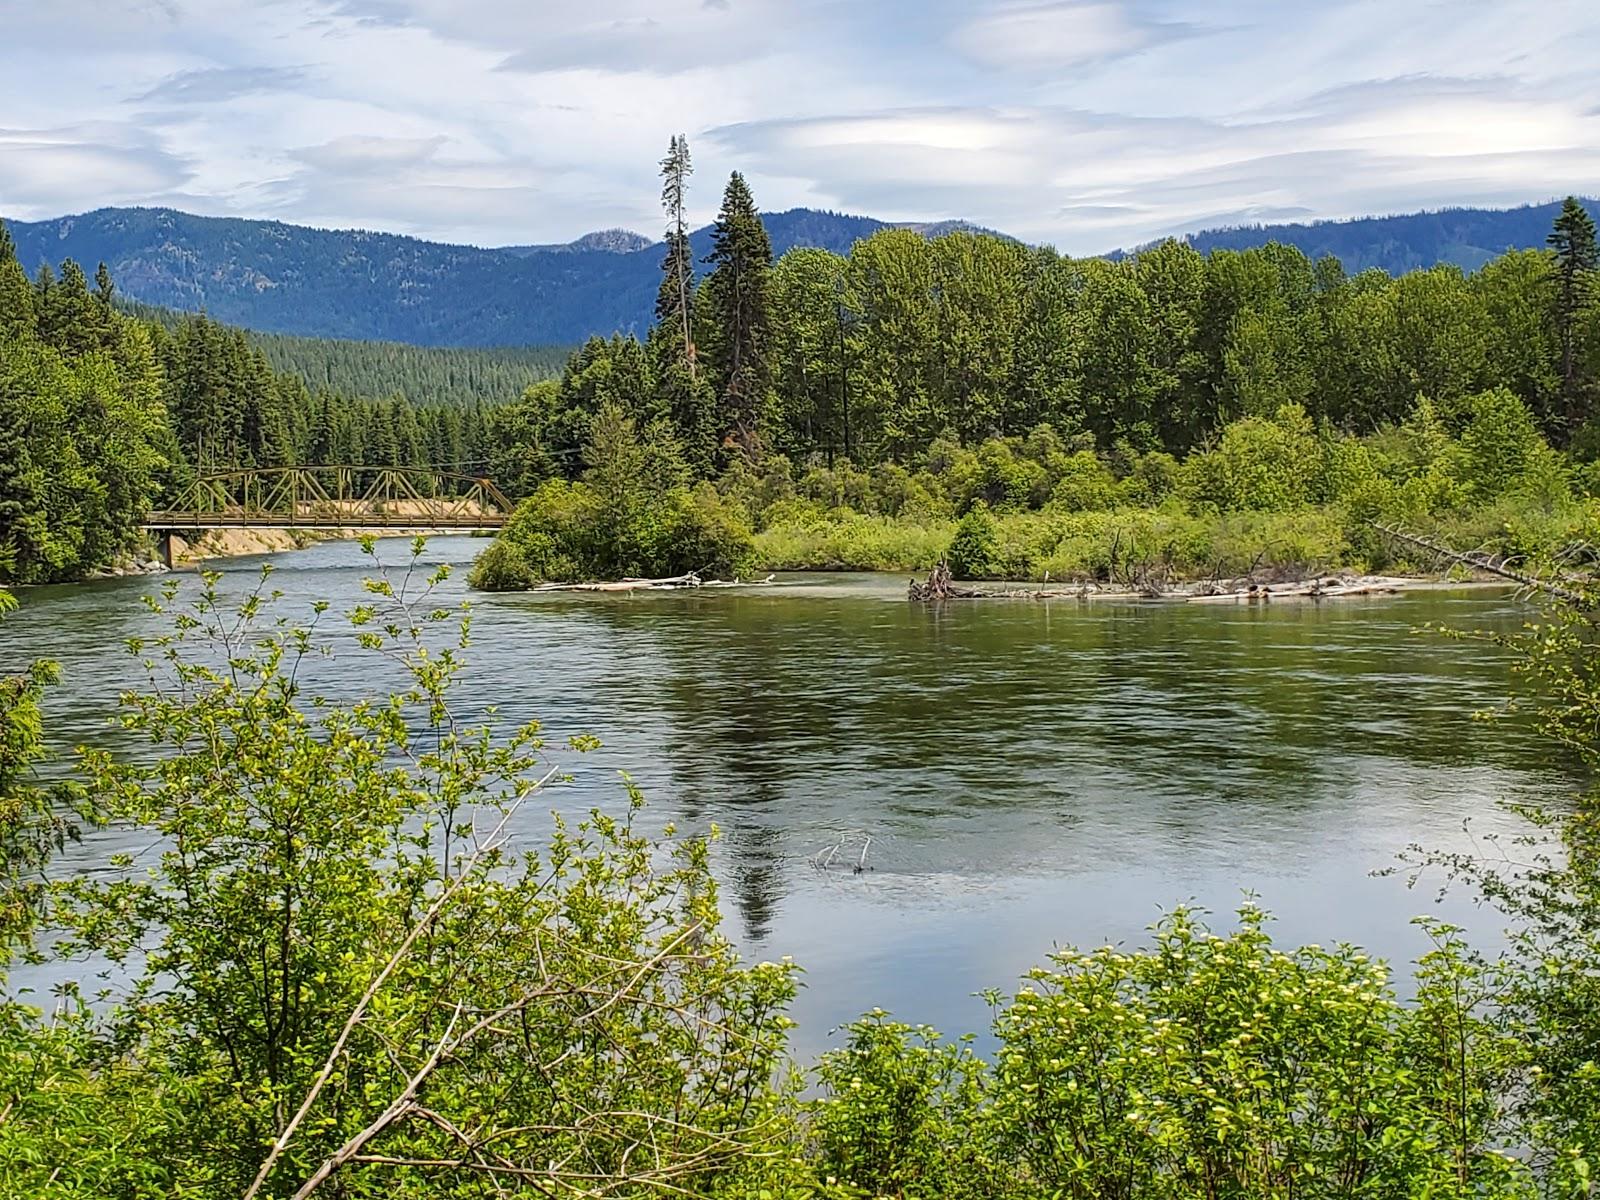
column 1151, row 480
column 1270, row 465
column 900, row 1113
column 1500, row 443
column 807, row 540
column 501, row 567
column 701, row 532
column 971, row 554
column 1083, row 483
column 630, row 516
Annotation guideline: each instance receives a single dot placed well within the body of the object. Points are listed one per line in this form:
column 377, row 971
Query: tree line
column 424, row 375
column 907, row 352
column 875, row 355
column 914, row 378
column 104, row 415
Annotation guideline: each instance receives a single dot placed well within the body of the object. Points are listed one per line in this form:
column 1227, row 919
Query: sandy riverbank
column 238, row 543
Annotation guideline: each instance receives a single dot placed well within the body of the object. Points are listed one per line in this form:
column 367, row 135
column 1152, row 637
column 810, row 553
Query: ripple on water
column 1029, row 773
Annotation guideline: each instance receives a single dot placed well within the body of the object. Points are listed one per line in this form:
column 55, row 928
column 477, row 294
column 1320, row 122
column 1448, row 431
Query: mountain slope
column 280, row 278
column 353, row 284
column 1467, row 237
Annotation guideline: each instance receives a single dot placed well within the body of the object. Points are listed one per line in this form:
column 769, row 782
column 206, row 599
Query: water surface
column 1029, row 773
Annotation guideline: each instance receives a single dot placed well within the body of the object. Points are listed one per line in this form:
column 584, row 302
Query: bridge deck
column 177, row 521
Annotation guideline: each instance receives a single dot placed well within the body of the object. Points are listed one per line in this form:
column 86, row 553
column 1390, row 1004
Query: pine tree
column 1576, row 259
column 674, row 302
column 17, row 316
column 736, row 293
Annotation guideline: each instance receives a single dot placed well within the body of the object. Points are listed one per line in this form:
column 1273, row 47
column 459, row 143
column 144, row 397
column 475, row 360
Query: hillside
column 353, row 284
column 279, row 278
column 1468, row 237
column 424, row 375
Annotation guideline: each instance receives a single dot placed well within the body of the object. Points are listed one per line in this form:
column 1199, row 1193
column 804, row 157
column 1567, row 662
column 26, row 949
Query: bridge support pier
column 166, row 542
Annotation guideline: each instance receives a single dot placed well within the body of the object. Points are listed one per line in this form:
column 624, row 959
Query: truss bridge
column 359, row 499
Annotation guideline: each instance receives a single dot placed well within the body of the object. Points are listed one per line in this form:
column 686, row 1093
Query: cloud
column 213, row 85
column 641, row 43
column 1088, row 123
column 1088, row 180
column 72, row 168
column 368, row 155
column 1049, row 36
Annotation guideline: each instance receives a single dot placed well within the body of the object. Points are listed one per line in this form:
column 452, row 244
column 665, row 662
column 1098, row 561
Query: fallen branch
column 669, row 583
column 1482, row 560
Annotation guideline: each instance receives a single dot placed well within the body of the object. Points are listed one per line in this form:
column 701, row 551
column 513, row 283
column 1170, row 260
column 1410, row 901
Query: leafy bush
column 631, row 515
column 971, row 554
column 502, row 567
column 1199, row 1066
column 341, row 962
column 1500, row 444
column 900, row 1113
column 1083, row 483
column 804, row 539
column 1271, row 465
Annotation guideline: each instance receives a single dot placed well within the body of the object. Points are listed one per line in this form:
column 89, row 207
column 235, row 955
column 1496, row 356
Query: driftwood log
column 669, row 583
column 1493, row 564
column 1315, row 589
column 941, row 585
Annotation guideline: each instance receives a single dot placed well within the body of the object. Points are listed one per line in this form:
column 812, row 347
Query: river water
column 1029, row 773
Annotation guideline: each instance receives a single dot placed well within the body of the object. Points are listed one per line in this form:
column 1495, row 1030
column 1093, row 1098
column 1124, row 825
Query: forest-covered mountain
column 354, row 284
column 424, row 375
column 1467, row 237
column 290, row 279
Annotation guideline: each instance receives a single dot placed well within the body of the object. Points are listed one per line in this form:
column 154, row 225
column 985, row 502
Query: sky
column 1086, row 124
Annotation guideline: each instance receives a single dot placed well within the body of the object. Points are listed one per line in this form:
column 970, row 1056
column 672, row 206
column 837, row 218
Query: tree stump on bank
column 941, row 585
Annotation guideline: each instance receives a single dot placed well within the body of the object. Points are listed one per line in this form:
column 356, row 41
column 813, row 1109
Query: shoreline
column 223, row 544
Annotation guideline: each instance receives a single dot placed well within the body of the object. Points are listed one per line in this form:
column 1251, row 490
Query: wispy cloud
column 213, row 85
column 1064, row 33
column 1088, row 123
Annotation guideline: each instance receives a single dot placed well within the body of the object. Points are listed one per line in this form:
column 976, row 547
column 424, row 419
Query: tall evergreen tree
column 687, row 396
column 1577, row 257
column 674, row 302
column 17, row 317
column 736, row 293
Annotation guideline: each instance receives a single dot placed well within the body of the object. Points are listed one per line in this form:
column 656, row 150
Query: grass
column 1111, row 544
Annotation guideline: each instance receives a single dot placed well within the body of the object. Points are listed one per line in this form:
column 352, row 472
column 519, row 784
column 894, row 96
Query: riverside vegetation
column 1170, row 413
column 336, row 975
column 1031, row 415
column 104, row 414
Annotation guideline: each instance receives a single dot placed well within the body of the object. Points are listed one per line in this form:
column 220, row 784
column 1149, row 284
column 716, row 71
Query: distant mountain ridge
column 350, row 283
column 356, row 284
column 1467, row 237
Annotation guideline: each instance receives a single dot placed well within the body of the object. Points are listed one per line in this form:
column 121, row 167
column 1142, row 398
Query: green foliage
column 1263, row 463
column 31, row 825
column 502, row 567
column 1501, row 447
column 1199, row 1066
column 899, row 1113
column 1577, row 257
column 632, row 515
column 426, row 376
column 343, row 965
column 798, row 537
column 972, row 550
column 84, row 440
column 738, row 317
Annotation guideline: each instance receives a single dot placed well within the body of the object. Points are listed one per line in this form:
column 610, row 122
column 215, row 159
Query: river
column 1029, row 773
